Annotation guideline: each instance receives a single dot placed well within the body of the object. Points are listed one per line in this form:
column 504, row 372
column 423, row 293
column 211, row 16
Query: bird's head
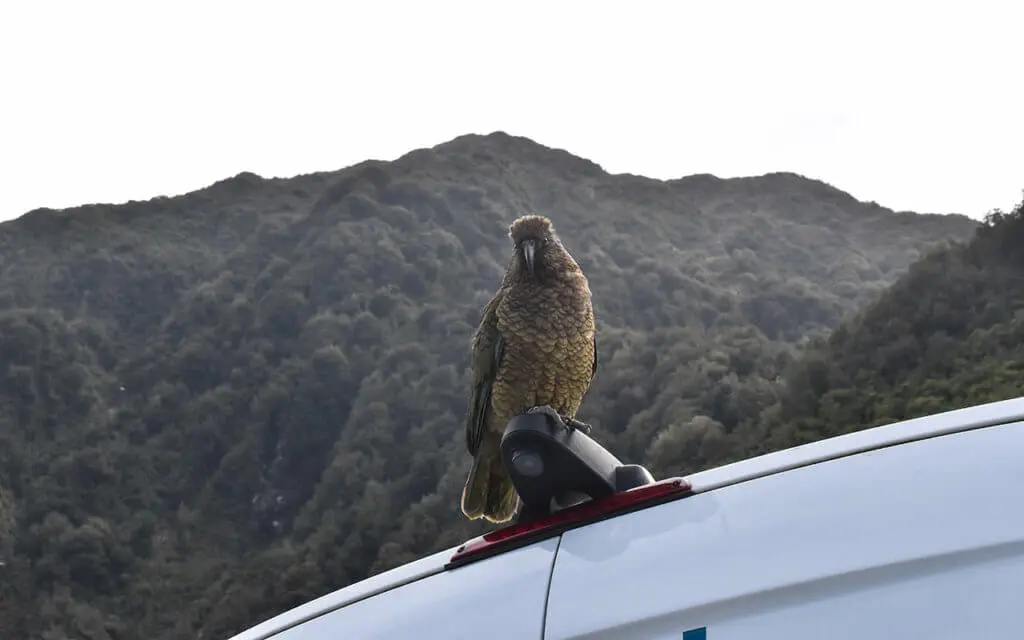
column 535, row 241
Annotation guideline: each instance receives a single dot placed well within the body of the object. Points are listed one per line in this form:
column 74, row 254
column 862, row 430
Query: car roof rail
column 553, row 467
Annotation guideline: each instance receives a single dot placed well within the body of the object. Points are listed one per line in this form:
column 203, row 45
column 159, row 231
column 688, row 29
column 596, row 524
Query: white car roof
column 906, row 431
column 409, row 572
column 984, row 415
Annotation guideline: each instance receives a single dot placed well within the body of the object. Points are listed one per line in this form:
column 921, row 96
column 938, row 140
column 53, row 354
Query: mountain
column 216, row 406
column 948, row 334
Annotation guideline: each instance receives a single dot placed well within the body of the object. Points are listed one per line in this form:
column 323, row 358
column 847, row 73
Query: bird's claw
column 570, row 424
column 573, row 423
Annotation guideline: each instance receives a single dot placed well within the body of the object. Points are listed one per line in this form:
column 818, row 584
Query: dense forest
column 216, row 406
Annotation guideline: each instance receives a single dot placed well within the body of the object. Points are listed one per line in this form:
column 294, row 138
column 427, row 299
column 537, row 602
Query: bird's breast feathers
column 547, row 331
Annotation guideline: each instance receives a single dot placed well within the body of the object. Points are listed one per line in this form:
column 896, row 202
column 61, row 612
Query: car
column 910, row 530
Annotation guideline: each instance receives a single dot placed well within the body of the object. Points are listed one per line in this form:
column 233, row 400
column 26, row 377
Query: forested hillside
column 947, row 335
column 216, row 406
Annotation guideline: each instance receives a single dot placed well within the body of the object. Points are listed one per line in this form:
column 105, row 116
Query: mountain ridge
column 476, row 143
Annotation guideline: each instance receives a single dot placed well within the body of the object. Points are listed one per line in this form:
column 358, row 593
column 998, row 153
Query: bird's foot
column 550, row 412
column 579, row 425
column 571, row 424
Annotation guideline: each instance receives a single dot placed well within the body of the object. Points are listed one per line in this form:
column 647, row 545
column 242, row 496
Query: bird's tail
column 489, row 492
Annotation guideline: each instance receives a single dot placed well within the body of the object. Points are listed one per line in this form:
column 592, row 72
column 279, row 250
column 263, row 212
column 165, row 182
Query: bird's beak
column 529, row 249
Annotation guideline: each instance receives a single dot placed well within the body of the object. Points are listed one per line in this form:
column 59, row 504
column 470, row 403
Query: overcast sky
column 913, row 104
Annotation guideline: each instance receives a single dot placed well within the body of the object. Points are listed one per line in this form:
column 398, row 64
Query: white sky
column 913, row 104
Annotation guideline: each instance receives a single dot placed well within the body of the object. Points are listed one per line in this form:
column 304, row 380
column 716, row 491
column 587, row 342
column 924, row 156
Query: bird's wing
column 488, row 348
column 593, row 367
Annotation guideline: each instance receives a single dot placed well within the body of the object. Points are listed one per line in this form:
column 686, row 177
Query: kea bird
column 535, row 351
